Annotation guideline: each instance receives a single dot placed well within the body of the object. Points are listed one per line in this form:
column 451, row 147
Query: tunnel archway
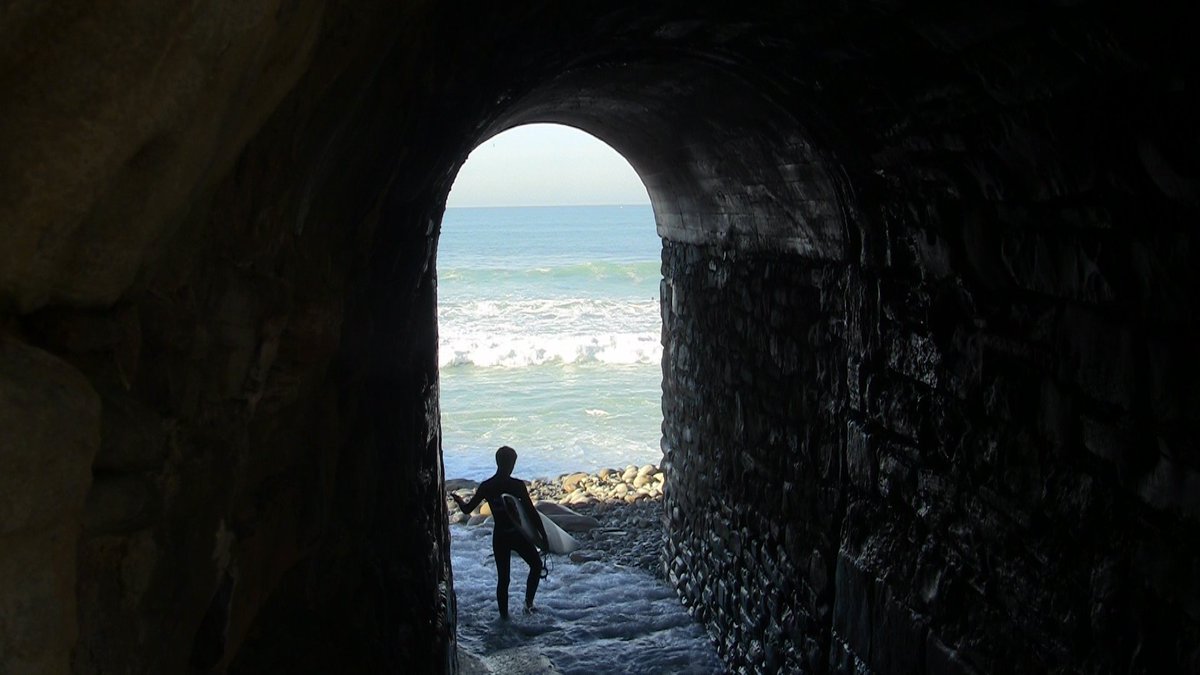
column 739, row 194
column 746, row 204
column 720, row 158
column 852, row 400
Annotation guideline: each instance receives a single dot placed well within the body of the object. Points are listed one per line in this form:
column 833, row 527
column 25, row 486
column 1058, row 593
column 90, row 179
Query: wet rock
column 470, row 664
column 456, row 484
column 577, row 523
column 520, row 661
column 630, row 533
column 552, row 509
column 572, row 481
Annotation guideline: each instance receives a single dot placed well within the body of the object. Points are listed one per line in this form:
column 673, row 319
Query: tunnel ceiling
column 718, row 157
column 82, row 157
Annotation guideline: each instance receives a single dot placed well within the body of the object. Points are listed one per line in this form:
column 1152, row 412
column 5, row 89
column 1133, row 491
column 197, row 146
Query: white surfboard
column 557, row 539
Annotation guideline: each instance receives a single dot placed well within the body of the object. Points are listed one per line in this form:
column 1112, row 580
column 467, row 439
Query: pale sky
column 545, row 165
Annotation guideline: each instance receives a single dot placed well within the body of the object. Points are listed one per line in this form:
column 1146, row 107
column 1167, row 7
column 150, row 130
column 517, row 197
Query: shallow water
column 594, row 617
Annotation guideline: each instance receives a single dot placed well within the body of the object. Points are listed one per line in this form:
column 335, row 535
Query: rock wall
column 50, row 419
column 230, row 462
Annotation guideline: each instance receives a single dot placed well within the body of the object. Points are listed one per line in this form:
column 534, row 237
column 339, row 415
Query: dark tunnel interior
column 928, row 302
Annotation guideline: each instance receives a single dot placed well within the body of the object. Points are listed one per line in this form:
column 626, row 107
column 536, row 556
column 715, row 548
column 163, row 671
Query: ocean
column 549, row 338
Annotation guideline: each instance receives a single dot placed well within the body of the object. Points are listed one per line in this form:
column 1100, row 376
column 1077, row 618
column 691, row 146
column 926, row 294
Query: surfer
column 506, row 535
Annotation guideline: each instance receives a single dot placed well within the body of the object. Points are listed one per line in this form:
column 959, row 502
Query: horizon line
column 538, row 206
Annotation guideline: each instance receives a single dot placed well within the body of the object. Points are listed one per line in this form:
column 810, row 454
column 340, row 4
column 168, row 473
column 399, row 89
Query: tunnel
column 928, row 301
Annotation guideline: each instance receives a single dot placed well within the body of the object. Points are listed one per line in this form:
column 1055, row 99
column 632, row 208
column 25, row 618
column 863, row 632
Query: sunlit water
column 549, row 338
column 594, row 617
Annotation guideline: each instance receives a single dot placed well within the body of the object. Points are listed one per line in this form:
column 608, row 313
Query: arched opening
column 548, row 313
column 550, row 342
column 755, row 237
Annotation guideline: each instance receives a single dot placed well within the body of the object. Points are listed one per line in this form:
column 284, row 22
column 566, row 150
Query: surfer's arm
column 468, row 507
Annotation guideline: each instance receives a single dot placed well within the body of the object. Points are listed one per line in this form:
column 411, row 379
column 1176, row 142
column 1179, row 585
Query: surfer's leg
column 502, row 550
column 530, row 555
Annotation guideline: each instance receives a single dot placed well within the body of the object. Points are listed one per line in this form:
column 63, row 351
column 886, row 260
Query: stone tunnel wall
column 871, row 472
column 969, row 447
column 1020, row 406
column 753, row 394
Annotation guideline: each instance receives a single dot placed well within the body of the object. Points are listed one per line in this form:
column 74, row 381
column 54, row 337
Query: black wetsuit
column 506, row 537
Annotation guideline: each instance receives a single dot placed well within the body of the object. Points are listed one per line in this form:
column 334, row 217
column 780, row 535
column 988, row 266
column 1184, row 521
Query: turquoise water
column 550, row 333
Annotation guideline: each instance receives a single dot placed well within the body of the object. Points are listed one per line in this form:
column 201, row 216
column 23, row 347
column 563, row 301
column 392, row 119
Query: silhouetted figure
column 506, row 537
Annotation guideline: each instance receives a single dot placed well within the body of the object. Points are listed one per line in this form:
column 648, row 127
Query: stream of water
column 593, row 617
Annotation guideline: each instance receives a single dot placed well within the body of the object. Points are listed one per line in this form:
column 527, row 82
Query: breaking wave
column 516, row 351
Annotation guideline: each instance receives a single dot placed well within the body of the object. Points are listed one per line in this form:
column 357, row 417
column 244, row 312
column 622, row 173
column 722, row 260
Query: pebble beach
column 605, row 608
column 620, row 512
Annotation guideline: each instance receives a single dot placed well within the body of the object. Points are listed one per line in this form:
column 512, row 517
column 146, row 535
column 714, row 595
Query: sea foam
column 517, row 351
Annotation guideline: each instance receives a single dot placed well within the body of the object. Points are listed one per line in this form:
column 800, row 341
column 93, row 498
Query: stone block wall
column 970, row 447
column 870, row 473
column 985, row 416
column 1011, row 320
column 753, row 396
